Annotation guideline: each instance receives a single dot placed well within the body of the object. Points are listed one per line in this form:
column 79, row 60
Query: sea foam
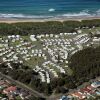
column 23, row 16
column 51, row 10
column 83, row 13
column 76, row 14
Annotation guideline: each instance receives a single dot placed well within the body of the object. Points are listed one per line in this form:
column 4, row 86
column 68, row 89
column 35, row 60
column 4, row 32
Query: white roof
column 32, row 37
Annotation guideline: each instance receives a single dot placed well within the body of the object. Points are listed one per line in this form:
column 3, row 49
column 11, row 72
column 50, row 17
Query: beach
column 15, row 20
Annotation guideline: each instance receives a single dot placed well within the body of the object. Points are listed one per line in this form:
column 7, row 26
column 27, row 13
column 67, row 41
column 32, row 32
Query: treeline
column 85, row 65
column 51, row 27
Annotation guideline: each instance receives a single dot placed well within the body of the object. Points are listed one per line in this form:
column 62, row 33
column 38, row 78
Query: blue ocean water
column 48, row 8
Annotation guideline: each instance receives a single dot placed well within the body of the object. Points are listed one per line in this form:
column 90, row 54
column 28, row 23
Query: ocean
column 48, row 8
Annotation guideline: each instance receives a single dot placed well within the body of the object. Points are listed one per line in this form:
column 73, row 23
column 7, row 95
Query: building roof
column 90, row 87
column 11, row 88
column 83, row 90
column 96, row 84
column 79, row 95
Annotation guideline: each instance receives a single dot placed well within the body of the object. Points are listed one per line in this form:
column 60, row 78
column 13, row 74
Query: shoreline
column 17, row 20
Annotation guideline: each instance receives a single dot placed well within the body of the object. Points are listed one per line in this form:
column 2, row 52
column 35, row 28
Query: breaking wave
column 22, row 16
column 51, row 10
column 84, row 13
column 76, row 14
